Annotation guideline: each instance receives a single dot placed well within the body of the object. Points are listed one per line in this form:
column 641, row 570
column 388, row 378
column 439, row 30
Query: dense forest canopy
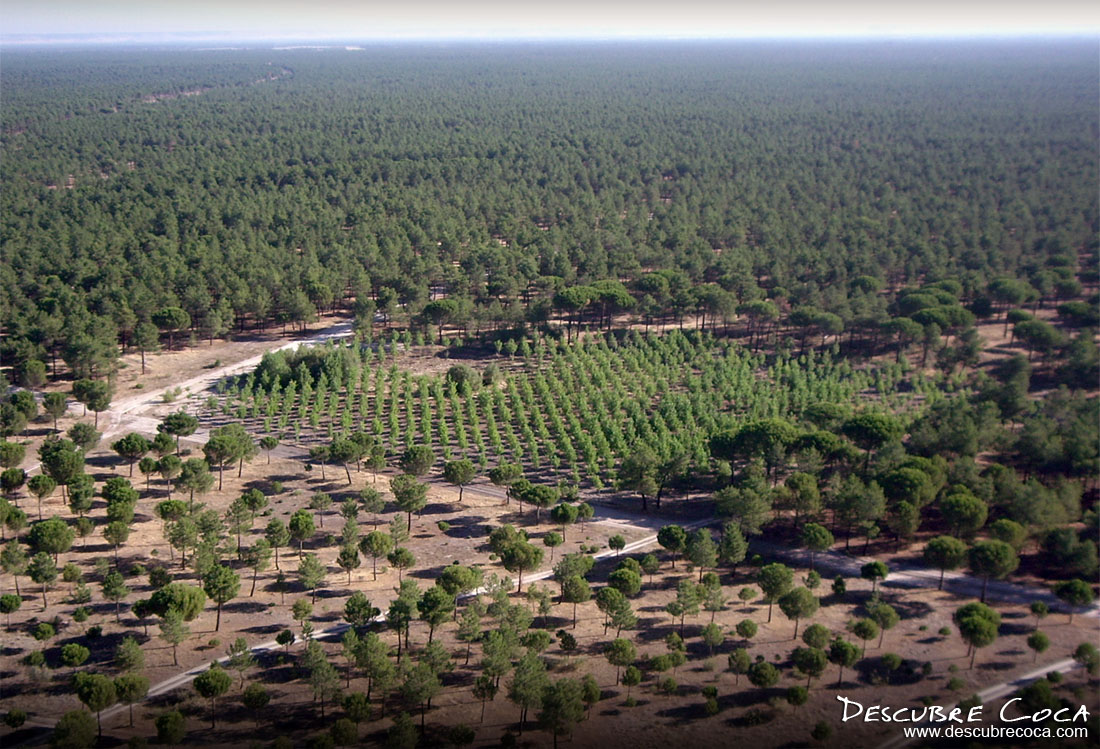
column 245, row 186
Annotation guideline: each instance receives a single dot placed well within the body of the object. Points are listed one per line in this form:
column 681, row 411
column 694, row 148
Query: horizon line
column 121, row 38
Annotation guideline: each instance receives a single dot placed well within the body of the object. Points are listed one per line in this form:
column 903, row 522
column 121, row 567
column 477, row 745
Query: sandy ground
column 259, row 617
column 658, row 718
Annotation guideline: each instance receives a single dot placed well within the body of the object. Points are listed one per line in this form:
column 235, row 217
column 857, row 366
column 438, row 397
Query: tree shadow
column 467, row 526
column 244, row 607
column 994, row 665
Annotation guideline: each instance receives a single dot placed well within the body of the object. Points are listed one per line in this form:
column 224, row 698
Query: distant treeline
column 150, row 193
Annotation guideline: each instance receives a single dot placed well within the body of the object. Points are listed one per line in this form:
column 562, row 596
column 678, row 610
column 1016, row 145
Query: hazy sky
column 367, row 19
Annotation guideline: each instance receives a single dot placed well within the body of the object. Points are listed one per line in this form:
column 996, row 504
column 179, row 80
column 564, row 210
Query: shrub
column 758, row 717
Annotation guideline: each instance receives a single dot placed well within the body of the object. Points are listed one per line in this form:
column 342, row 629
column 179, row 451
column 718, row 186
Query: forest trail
column 126, row 414
column 914, row 576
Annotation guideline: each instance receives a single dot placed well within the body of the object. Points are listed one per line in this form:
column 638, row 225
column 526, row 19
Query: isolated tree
column 977, row 632
column 320, row 455
column 811, row 662
column 763, row 675
column 345, row 452
column 885, row 616
column 1075, row 594
column 420, row 685
column 129, row 656
column 520, row 557
column 563, row 707
column 179, row 424
column 874, row 571
column 1088, row 656
column 212, row 684
column 638, row 473
column 114, row 589
column 41, row 486
column 434, row 606
column 131, row 448
column 738, row 662
column 267, row 444
column 61, row 460
column 195, row 476
column 376, row 545
column 276, row 534
column 255, row 698
column 701, row 550
column 843, row 654
column 459, row 473
column 97, row 692
column 301, row 528
column 417, row 460
column 43, row 571
column 145, row 338
column 775, row 580
column 257, row 558
column 348, row 559
column 552, row 540
column 528, row 682
column 816, row 538
column 240, row 657
column 169, row 467
column 564, row 514
column 797, row 604
column 14, row 561
column 574, row 590
column 131, row 688
column 221, row 584
column 74, row 654
column 55, row 404
column 505, row 474
column 95, row 395
column 401, row 559
column 865, row 629
column 174, row 631
column 945, row 553
column 171, row 728
column 311, row 574
column 409, row 495
column 219, row 450
column 673, row 539
column 992, row 559
column 9, row 604
column 188, row 600
column 1038, row 642
column 74, row 730
column 320, row 503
